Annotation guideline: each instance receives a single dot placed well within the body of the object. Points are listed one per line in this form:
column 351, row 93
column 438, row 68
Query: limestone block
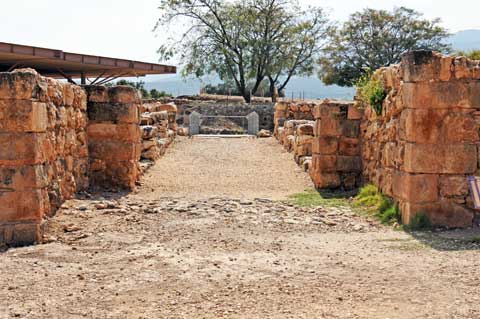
column 326, row 145
column 325, row 163
column 305, row 129
column 348, row 146
column 23, row 177
column 114, row 150
column 68, row 94
column 22, row 84
column 20, row 234
column 124, row 94
column 27, row 205
column 324, row 180
column 442, row 95
column 148, row 131
column 17, row 149
column 115, row 113
column 441, row 213
column 415, row 188
column 451, row 186
column 23, row 116
column 349, row 163
column 354, row 113
column 107, row 131
column 440, row 159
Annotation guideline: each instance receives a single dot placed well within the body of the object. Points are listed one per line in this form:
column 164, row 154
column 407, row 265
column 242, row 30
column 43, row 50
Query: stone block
column 325, row 180
column 425, row 66
column 68, row 94
column 23, row 116
column 451, row 186
column 25, row 205
column 23, row 177
column 441, row 95
column 415, row 188
column 120, row 132
column 325, row 163
column 438, row 126
column 114, row 150
column 22, row 84
column 350, row 128
column 113, row 112
column 348, row 146
column 330, row 127
column 326, row 145
column 441, row 213
column 349, row 163
column 124, row 94
column 317, row 112
column 440, row 159
column 305, row 129
column 354, row 113
column 17, row 149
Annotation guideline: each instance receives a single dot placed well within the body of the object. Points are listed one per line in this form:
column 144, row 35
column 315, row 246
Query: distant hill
column 309, row 87
column 466, row 40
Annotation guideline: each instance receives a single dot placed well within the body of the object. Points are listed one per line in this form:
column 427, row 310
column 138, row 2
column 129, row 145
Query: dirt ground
column 210, row 234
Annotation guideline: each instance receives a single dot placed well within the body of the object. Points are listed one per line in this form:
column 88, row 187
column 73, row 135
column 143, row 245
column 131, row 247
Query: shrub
column 377, row 204
column 371, row 91
column 474, row 54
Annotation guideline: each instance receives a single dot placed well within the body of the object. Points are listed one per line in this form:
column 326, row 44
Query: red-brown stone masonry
column 425, row 143
column 336, row 161
column 43, row 151
column 114, row 136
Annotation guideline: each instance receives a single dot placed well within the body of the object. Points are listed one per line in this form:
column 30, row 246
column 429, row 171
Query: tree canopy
column 245, row 41
column 372, row 38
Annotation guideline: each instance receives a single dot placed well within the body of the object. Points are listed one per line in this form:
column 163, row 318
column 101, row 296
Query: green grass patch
column 376, row 204
column 312, row 198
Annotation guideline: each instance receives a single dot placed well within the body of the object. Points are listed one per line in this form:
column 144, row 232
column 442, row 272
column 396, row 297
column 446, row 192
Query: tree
column 140, row 85
column 372, row 38
column 245, row 41
column 155, row 94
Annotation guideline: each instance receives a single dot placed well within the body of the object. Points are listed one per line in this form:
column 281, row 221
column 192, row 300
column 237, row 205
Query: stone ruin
column 419, row 150
column 57, row 139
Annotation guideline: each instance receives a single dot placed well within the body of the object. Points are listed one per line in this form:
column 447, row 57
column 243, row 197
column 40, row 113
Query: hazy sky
column 122, row 28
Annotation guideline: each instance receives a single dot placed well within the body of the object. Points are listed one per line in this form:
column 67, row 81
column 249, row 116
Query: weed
column 420, row 222
column 377, row 204
column 311, row 198
column 371, row 91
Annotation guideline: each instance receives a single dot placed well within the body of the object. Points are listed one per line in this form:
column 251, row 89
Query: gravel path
column 211, row 250
column 238, row 167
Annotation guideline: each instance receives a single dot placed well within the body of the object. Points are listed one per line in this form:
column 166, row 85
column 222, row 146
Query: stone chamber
column 57, row 139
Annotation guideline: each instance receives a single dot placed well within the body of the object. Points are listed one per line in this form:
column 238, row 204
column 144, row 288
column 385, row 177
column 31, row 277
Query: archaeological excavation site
column 235, row 194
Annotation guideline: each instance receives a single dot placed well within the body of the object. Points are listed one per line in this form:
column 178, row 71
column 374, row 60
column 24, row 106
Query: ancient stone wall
column 158, row 128
column 43, row 151
column 285, row 111
column 423, row 146
column 336, row 160
column 212, row 108
column 114, row 136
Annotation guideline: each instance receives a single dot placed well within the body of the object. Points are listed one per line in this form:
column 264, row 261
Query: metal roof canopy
column 60, row 64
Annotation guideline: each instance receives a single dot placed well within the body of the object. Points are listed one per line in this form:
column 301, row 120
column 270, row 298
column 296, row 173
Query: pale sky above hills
column 122, row 28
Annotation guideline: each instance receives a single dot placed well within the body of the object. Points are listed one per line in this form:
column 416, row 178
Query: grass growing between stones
column 374, row 203
column 312, row 198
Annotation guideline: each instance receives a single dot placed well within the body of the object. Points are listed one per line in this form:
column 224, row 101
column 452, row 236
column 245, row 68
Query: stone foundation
column 336, row 161
column 425, row 143
column 43, row 151
column 114, row 137
column 54, row 142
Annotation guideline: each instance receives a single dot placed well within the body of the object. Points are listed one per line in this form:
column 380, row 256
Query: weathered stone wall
column 158, row 128
column 285, row 111
column 264, row 110
column 336, row 160
column 43, row 151
column 423, row 146
column 114, row 136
